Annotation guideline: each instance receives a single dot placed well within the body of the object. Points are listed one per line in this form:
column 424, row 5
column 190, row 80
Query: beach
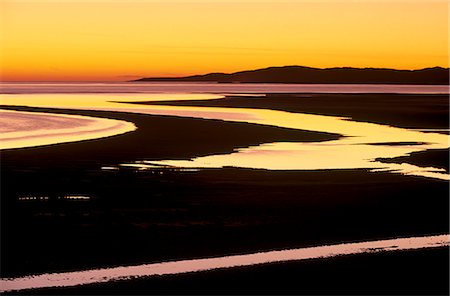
column 252, row 147
column 133, row 216
column 383, row 273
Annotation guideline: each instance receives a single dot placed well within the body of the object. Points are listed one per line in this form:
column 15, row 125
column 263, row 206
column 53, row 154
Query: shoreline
column 349, row 275
column 169, row 215
column 76, row 278
column 157, row 136
column 178, row 215
column 307, row 137
column 33, row 129
column 412, row 111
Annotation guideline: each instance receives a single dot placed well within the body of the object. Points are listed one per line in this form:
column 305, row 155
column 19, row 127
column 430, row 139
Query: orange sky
column 52, row 40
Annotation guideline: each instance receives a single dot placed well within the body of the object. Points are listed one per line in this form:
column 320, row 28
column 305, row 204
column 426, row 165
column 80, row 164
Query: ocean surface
column 153, row 87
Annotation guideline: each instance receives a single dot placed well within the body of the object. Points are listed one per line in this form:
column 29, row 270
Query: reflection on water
column 28, row 198
column 67, row 279
column 93, row 101
column 154, row 167
column 355, row 150
column 307, row 156
column 77, row 197
column 29, row 129
column 211, row 87
column 46, row 198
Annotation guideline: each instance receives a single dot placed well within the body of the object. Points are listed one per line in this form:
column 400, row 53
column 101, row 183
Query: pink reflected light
column 67, row 279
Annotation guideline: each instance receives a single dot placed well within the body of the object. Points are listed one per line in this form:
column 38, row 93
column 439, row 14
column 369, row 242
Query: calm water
column 102, row 275
column 354, row 150
column 29, row 129
column 153, row 87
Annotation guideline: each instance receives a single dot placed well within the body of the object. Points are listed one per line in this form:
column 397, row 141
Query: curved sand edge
column 19, row 129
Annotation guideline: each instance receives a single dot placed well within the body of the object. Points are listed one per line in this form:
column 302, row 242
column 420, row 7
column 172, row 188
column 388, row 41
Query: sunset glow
column 122, row 40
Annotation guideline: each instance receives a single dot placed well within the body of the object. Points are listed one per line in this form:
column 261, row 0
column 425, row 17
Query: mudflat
column 377, row 273
column 421, row 111
column 415, row 111
column 140, row 216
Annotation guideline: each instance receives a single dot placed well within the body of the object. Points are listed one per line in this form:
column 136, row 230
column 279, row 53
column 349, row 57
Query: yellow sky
column 119, row 40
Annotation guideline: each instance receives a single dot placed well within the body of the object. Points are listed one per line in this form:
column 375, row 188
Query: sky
column 119, row 40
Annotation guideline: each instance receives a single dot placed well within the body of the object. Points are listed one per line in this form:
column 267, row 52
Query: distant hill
column 300, row 74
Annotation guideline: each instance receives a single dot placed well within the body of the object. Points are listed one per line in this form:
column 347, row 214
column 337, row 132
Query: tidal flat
column 137, row 216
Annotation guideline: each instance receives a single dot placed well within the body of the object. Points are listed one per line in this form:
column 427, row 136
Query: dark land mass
column 136, row 217
column 157, row 137
column 396, row 273
column 438, row 158
column 415, row 111
column 308, row 75
column 149, row 216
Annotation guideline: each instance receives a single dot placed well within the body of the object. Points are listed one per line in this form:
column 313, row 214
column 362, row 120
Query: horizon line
column 211, row 72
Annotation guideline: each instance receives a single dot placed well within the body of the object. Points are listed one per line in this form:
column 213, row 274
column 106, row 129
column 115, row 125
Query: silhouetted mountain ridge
column 302, row 74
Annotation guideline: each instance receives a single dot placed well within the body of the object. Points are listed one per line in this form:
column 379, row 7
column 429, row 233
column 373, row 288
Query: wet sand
column 136, row 217
column 124, row 272
column 415, row 111
column 438, row 158
column 156, row 137
column 374, row 274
